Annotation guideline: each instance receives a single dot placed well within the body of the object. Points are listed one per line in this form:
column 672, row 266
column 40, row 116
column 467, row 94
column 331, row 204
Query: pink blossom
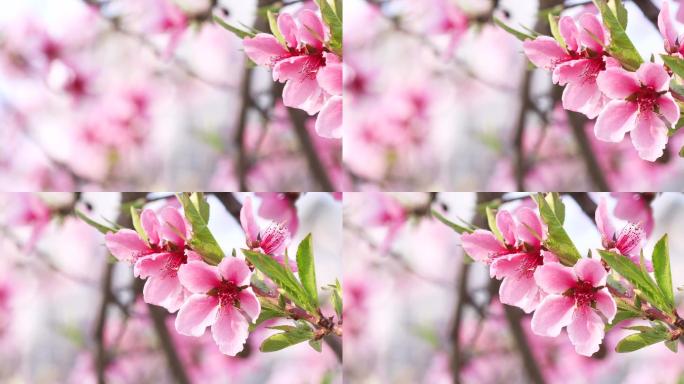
column 642, row 105
column 297, row 62
column 635, row 208
column 627, row 242
column 576, row 65
column 157, row 259
column 451, row 21
column 672, row 41
column 575, row 297
column 386, row 211
column 329, row 120
column 515, row 257
column 279, row 207
column 271, row 241
column 221, row 297
column 31, row 210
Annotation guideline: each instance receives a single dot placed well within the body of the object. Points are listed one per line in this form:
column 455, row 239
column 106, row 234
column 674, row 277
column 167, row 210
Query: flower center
column 584, row 293
column 646, row 98
column 272, row 238
column 227, row 293
column 312, row 64
column 530, row 262
column 173, row 263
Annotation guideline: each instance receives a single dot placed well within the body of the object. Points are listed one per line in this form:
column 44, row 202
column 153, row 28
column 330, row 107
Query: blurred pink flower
column 329, row 120
column 515, row 257
column 672, row 41
column 576, row 65
column 451, row 21
column 642, row 105
column 635, row 208
column 627, row 242
column 385, row 211
column 220, row 297
column 279, row 207
column 575, row 295
column 29, row 209
column 271, row 241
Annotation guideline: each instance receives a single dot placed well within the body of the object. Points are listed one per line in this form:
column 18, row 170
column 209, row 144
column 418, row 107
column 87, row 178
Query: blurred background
column 434, row 100
column 148, row 95
column 406, row 283
column 52, row 270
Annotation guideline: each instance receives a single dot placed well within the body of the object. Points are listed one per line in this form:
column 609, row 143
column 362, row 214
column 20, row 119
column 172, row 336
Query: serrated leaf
column 456, row 227
column 491, row 221
column 640, row 340
column 636, row 276
column 556, row 203
column 317, row 345
column 672, row 345
column 202, row 240
column 137, row 225
column 201, row 204
column 104, row 229
column 557, row 240
column 334, row 23
column 285, row 339
column 621, row 47
column 522, row 36
column 661, row 269
column 306, row 269
column 618, row 8
column 235, row 30
column 283, row 278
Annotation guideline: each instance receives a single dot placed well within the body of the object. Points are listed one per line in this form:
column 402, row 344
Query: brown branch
column 514, row 316
column 577, row 123
column 231, row 203
column 519, row 139
column 585, row 202
column 158, row 316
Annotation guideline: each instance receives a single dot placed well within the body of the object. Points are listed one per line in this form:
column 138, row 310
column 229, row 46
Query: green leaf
column 555, row 32
column 104, row 229
column 200, row 203
column 275, row 30
column 621, row 47
column 334, row 23
column 661, row 269
column 268, row 311
column 672, row 345
column 556, row 203
column 622, row 315
column 283, row 278
column 338, row 9
column 306, row 269
column 522, row 36
column 235, row 30
column 638, row 278
column 620, row 12
column 456, row 227
column 336, row 297
column 675, row 63
column 290, row 337
column 317, row 345
column 642, row 339
column 491, row 221
column 557, row 240
column 137, row 225
column 202, row 241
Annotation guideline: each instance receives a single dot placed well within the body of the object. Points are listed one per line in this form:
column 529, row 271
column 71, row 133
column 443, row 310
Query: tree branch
column 513, row 316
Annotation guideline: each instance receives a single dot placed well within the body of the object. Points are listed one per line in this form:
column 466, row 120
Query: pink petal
column 586, row 331
column 520, row 291
column 606, row 304
column 235, row 270
column 329, row 78
column 592, row 30
column 196, row 314
column 152, row 265
column 249, row 224
column 126, row 245
column 617, row 118
column 249, row 303
column 288, row 28
column 572, row 71
column 629, row 240
column 329, row 120
column 667, row 29
column 555, row 278
column 304, row 94
column 528, row 227
column 507, row 265
column 654, row 75
column 649, row 136
column 230, row 330
column 554, row 313
column 603, row 222
column 668, row 108
column 150, row 225
column 592, row 271
column 617, row 83
column 583, row 97
column 165, row 291
column 264, row 49
column 173, row 226
column 568, row 30
column 481, row 245
column 311, row 31
column 198, row 276
column 506, row 225
column 290, row 68
column 544, row 52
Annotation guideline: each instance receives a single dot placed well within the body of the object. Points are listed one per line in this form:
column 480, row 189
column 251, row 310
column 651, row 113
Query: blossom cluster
column 605, row 78
column 534, row 279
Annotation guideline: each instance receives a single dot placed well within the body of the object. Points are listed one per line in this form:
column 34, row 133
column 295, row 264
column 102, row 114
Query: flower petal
column 606, row 304
column 230, row 330
column 592, row 33
column 555, row 278
column 649, row 136
column 586, row 331
column 583, row 97
column 617, row 83
column 198, row 276
column 603, row 222
column 617, row 118
column 329, row 120
column 249, row 303
column 507, row 265
column 520, row 291
column 235, row 270
column 264, row 49
column 668, row 108
column 311, row 31
column 196, row 314
column 126, row 245
column 554, row 313
column 569, row 32
column 165, row 291
column 528, row 226
column 544, row 52
column 150, row 225
column 654, row 75
column 248, row 221
column 173, row 226
column 288, row 28
column 592, row 271
column 506, row 225
column 481, row 245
